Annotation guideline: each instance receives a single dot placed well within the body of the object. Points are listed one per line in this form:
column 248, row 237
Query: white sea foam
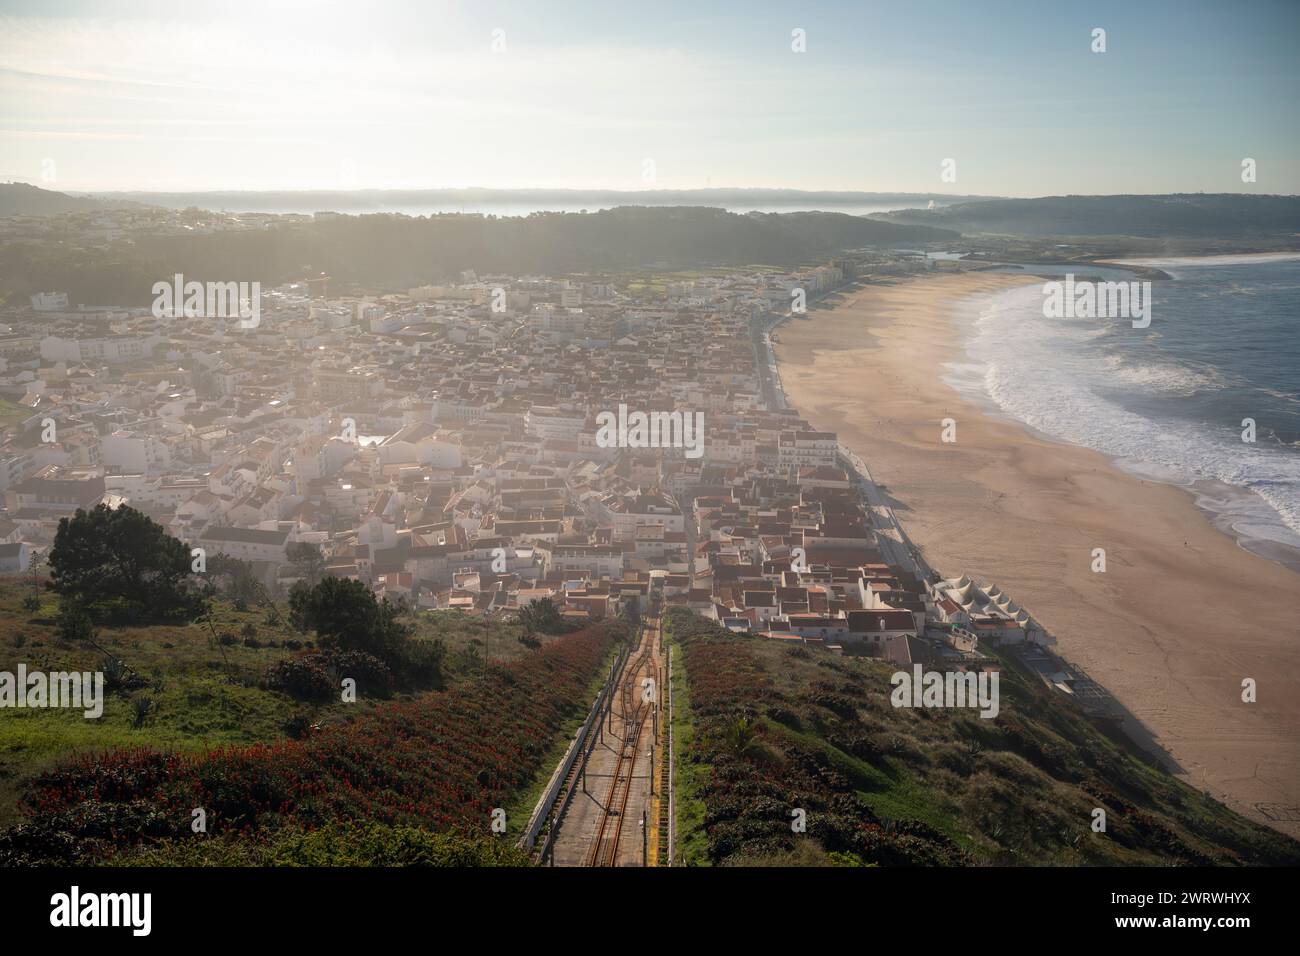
column 1033, row 374
column 1166, row 377
column 1242, row 259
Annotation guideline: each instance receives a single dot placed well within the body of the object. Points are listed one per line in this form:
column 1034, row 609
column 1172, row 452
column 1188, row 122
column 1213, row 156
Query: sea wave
column 1163, row 377
column 1027, row 366
column 1236, row 259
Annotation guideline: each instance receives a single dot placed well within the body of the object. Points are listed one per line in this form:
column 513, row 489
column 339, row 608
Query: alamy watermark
column 674, row 429
column 1098, row 300
column 208, row 300
column 130, row 910
column 82, row 690
column 923, row 688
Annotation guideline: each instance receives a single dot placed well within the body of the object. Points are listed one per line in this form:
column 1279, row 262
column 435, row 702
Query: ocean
column 1166, row 402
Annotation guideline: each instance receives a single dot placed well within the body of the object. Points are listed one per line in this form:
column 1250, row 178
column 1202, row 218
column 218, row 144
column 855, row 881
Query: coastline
column 1182, row 613
column 1239, row 513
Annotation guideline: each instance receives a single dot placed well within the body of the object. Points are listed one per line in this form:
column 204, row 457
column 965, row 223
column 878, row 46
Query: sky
column 195, row 95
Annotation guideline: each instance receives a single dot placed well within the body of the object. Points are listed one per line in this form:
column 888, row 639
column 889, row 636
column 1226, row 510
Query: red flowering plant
column 441, row 761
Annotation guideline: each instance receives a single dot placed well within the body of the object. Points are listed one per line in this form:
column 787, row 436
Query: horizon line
column 599, row 190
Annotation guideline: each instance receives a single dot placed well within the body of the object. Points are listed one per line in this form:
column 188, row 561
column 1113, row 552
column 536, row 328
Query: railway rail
column 635, row 708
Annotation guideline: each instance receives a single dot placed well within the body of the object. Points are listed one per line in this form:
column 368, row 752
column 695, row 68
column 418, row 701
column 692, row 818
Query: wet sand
column 1182, row 613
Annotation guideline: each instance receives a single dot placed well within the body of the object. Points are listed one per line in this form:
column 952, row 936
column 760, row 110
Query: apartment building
column 246, row 544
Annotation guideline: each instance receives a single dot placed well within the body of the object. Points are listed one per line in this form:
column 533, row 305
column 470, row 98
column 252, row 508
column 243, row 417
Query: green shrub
column 298, row 726
column 371, row 674
column 301, row 677
column 141, row 708
column 421, row 665
column 118, row 676
column 73, row 622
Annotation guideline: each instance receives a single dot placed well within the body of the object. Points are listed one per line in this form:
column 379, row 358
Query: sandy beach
column 1182, row 613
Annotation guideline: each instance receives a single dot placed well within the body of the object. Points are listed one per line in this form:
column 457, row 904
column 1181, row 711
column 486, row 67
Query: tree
column 345, row 614
column 73, row 622
column 117, row 562
column 543, row 616
column 307, row 560
column 233, row 577
column 630, row 616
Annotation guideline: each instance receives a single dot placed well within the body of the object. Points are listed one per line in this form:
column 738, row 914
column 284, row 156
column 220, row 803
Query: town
column 736, row 438
column 451, row 446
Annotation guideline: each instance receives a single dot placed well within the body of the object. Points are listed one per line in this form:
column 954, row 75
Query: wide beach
column 1181, row 615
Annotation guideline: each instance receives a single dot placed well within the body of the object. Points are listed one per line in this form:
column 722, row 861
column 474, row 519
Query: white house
column 247, row 544
column 15, row 557
column 880, row 625
column 419, row 444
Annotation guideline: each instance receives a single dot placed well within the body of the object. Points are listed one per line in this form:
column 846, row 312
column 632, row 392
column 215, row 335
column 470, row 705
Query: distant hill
column 1220, row 215
column 385, row 252
column 24, row 199
column 427, row 201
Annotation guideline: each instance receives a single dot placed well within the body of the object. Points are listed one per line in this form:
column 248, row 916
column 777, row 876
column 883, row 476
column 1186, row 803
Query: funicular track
column 635, row 707
column 603, row 812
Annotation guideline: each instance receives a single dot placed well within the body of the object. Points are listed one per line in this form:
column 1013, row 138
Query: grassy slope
column 1017, row 789
column 692, row 847
column 339, row 844
column 204, row 695
column 386, row 815
column 208, row 694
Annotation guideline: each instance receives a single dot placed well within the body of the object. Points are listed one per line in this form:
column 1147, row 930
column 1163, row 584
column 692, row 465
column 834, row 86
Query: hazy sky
column 233, row 95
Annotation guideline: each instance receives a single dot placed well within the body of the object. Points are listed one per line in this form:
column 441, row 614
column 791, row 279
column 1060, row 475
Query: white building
column 50, row 302
column 546, row 421
column 626, row 513
column 134, row 451
column 593, row 560
column 418, row 444
column 94, row 350
column 246, row 544
column 880, row 625
column 798, row 450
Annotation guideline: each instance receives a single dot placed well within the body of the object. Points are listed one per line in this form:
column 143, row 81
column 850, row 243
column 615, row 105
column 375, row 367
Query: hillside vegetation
column 767, row 728
column 1219, row 215
column 441, row 762
column 395, row 254
column 185, row 690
